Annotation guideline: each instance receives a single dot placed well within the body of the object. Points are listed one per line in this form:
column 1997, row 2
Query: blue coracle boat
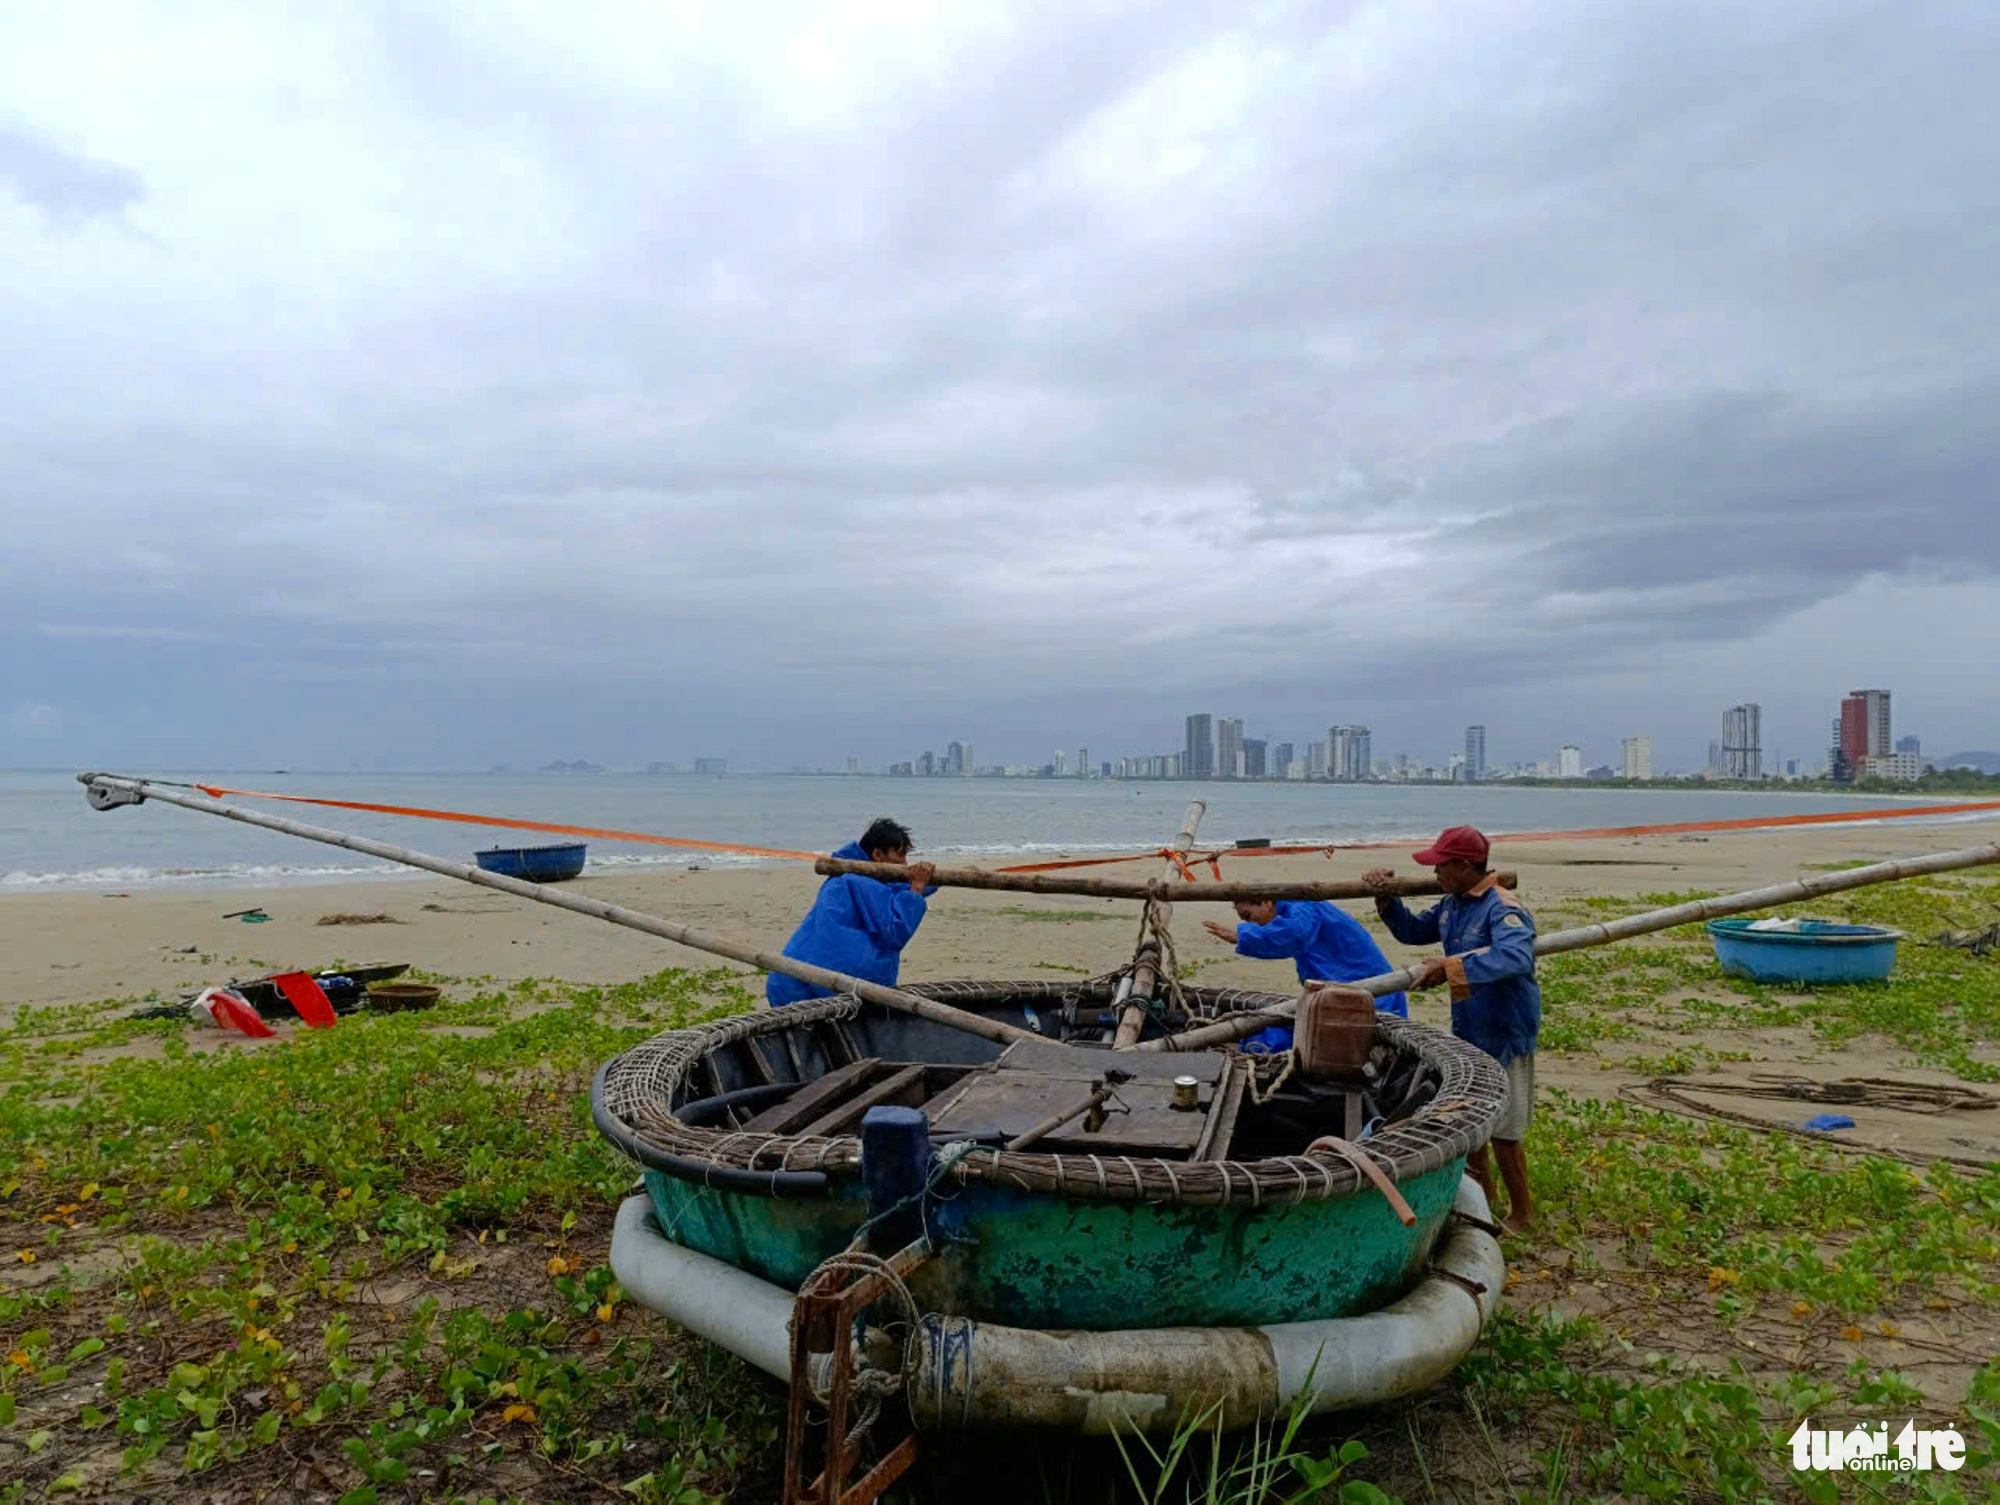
column 1804, row 951
column 550, row 864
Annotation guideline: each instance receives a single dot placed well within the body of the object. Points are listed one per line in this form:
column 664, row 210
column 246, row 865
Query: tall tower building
column 1743, row 741
column 1475, row 752
column 1569, row 762
column 1636, row 754
column 1229, row 747
column 1875, row 718
column 1360, row 753
column 1864, row 728
column 1198, row 757
column 1083, row 762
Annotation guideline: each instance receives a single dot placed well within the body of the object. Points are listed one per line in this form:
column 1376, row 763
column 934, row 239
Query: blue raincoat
column 1328, row 944
column 1489, row 947
column 856, row 925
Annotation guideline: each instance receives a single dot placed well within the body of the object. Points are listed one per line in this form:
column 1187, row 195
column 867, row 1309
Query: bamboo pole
column 1174, row 889
column 1239, row 1026
column 631, row 919
column 1146, row 963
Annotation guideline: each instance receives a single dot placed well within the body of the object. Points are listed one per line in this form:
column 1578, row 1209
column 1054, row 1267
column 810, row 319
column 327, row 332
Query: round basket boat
column 1218, row 1220
column 1804, row 951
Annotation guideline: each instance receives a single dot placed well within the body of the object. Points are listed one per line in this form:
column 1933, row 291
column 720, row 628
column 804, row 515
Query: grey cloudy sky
column 452, row 385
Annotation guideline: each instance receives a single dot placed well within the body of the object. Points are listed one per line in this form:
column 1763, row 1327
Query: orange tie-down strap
column 216, row 791
column 1584, row 833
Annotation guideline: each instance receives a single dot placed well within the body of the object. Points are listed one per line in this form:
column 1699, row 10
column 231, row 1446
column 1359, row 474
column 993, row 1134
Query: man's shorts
column 1520, row 1098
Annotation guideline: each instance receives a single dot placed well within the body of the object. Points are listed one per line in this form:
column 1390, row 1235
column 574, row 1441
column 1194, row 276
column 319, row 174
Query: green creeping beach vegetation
column 368, row 1264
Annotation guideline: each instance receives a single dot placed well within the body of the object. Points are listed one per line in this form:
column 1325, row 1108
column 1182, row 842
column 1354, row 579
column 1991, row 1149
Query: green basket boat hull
column 1032, row 1259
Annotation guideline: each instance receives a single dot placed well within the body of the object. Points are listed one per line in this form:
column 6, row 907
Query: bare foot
column 1513, row 1224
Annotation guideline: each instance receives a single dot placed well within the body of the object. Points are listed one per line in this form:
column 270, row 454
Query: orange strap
column 216, row 791
column 1586, row 833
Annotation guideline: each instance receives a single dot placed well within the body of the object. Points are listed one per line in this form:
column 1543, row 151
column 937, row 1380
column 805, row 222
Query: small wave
column 228, row 873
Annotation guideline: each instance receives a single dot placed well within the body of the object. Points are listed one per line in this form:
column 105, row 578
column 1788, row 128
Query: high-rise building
column 1637, row 757
column 954, row 758
column 1864, row 726
column 971, row 759
column 1198, row 757
column 927, row 765
column 1743, row 741
column 1863, row 729
column 1360, row 757
column 1315, row 760
column 1253, row 757
column 1475, row 752
column 1281, row 761
column 1337, row 753
column 1229, row 747
column 1901, row 766
column 1911, row 745
column 1083, row 762
column 1569, row 762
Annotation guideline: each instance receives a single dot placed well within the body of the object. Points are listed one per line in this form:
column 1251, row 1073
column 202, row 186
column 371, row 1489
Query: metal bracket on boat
column 827, row 1334
column 1484, row 1225
column 105, row 797
column 1473, row 1288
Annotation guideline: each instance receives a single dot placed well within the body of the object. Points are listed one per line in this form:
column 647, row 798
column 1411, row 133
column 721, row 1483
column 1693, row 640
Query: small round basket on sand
column 394, row 997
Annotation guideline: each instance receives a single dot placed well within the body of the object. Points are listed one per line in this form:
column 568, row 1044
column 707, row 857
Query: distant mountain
column 1985, row 762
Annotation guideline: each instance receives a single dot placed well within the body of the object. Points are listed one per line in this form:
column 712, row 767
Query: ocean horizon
column 51, row 840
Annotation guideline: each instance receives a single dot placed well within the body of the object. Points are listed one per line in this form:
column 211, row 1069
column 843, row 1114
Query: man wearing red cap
column 1496, row 1005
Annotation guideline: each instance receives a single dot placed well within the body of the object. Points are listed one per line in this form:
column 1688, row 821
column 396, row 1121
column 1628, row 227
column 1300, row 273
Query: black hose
column 706, row 1109
column 722, row 1177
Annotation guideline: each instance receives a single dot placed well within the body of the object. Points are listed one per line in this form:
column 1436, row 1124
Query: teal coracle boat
column 1214, row 1200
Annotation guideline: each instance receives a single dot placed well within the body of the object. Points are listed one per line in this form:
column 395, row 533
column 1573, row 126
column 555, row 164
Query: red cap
column 1459, row 841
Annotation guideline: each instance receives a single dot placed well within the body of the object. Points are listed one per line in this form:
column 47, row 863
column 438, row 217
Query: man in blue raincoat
column 1327, row 944
column 859, row 925
column 1488, row 938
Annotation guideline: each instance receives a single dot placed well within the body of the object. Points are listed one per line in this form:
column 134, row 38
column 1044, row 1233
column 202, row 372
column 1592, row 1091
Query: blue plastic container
column 549, row 864
column 1818, row 951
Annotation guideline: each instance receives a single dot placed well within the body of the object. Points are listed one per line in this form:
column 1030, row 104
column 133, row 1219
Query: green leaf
column 86, row 1348
column 6, row 1408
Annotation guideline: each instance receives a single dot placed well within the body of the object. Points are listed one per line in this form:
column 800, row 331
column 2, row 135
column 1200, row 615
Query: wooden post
column 631, row 919
column 1146, row 964
column 1174, row 887
column 1239, row 1026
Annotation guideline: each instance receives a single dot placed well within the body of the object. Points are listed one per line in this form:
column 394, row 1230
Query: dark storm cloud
column 905, row 370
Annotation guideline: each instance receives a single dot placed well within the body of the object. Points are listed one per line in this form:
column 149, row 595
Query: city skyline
column 1862, row 744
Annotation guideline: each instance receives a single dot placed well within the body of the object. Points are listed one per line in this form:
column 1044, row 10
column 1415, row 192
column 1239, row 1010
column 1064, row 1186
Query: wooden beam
column 812, row 1099
column 1172, row 888
column 907, row 1083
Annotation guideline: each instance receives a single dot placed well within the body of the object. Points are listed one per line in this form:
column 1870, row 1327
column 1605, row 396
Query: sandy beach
column 72, row 947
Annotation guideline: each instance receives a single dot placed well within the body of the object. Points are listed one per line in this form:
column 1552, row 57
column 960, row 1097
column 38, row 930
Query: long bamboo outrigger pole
column 135, row 790
column 1146, row 964
column 1239, row 1026
column 1170, row 887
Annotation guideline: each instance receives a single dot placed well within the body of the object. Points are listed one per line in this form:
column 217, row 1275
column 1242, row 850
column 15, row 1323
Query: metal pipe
column 631, row 919
column 1146, row 964
column 1239, row 1026
column 1172, row 888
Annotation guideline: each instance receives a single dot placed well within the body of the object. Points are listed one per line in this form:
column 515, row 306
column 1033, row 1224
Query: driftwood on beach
column 1170, row 887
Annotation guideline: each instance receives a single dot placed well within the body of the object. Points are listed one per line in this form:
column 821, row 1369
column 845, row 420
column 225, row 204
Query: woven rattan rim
column 640, row 1086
